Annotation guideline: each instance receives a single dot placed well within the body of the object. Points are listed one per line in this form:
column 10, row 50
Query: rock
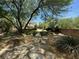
column 38, row 35
column 33, row 49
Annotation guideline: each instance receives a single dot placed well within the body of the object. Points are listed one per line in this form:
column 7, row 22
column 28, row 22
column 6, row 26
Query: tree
column 5, row 26
column 66, row 23
column 50, row 23
column 20, row 10
column 76, row 22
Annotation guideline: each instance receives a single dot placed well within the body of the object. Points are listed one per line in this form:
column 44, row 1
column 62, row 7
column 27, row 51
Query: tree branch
column 32, row 14
column 9, row 8
column 9, row 21
column 19, row 8
column 15, row 4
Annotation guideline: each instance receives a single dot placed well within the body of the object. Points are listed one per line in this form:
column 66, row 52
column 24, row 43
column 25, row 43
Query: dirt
column 70, row 32
column 30, row 47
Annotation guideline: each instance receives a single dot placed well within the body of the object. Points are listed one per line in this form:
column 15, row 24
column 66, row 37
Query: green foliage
column 18, row 11
column 58, row 2
column 69, row 23
column 21, row 10
column 29, row 32
column 76, row 22
column 58, row 6
column 43, row 25
column 5, row 25
column 66, row 24
column 47, row 24
column 2, row 12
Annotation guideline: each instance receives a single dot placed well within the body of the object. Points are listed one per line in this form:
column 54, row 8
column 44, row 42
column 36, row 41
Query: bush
column 67, row 45
column 29, row 32
column 43, row 33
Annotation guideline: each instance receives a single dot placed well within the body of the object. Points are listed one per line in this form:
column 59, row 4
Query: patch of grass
column 67, row 45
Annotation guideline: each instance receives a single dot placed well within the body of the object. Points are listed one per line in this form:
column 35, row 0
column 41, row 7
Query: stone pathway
column 36, row 49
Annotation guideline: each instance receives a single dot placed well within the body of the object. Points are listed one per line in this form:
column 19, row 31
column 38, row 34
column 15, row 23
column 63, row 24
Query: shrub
column 67, row 45
column 29, row 32
column 44, row 33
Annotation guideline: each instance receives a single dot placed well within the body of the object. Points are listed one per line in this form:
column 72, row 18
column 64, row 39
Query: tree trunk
column 32, row 14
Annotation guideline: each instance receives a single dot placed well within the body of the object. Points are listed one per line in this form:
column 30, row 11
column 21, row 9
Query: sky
column 73, row 11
